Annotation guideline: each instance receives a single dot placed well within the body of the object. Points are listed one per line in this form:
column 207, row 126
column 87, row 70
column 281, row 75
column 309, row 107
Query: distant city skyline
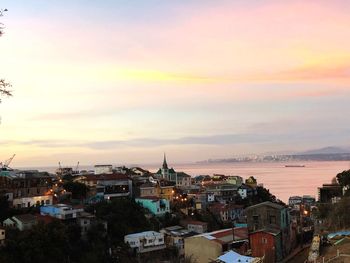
column 126, row 81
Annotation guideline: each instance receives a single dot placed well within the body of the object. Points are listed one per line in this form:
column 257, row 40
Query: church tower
column 165, row 169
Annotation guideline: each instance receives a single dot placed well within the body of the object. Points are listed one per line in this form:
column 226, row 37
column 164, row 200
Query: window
column 47, row 202
column 264, row 240
column 160, row 239
column 272, row 219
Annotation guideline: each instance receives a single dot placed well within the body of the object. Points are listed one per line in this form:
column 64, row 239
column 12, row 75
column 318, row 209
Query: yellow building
column 208, row 247
column 160, row 189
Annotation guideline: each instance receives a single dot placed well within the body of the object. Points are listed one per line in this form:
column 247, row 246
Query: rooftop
column 273, row 205
column 142, row 234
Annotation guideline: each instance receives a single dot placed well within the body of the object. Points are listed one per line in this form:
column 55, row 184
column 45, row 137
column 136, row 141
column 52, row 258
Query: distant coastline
column 283, row 158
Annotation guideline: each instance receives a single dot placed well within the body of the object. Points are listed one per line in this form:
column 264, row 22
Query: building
column 269, row 221
column 108, row 186
column 234, row 179
column 175, row 236
column 267, row 243
column 233, row 257
column 103, row 169
column 309, row 200
column 87, row 220
column 223, row 191
column 26, row 188
column 164, row 172
column 246, row 191
column 329, row 191
column 158, row 188
column 209, row 246
column 61, row 211
column 182, row 180
column 251, row 181
column 295, row 201
column 155, row 205
column 145, row 241
column 227, row 212
column 198, row 227
column 21, row 222
column 2, row 236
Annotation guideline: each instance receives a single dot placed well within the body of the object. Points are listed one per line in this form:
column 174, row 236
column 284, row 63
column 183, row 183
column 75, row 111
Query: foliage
column 344, row 178
column 54, row 242
column 124, row 216
column 4, row 86
column 78, row 190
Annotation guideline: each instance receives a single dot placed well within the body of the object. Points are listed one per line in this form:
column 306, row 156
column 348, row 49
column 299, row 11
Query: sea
column 282, row 181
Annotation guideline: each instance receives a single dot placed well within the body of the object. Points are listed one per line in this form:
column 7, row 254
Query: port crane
column 5, row 164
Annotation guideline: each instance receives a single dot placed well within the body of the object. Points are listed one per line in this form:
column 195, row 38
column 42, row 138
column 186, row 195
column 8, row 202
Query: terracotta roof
column 102, row 177
column 241, row 233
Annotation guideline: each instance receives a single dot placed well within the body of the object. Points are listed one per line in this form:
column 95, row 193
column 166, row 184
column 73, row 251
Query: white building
column 145, row 241
column 21, row 222
column 103, row 169
column 2, row 237
column 24, row 202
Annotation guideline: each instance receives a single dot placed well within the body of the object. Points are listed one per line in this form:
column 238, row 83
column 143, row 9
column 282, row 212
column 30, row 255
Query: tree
column 78, row 190
column 344, row 178
column 4, row 86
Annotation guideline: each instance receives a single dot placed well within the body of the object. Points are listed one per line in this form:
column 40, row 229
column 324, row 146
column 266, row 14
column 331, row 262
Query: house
column 251, row 181
column 2, row 236
column 145, row 241
column 182, row 180
column 267, row 243
column 234, row 179
column 269, row 227
column 139, row 171
column 174, row 237
column 203, row 199
column 223, row 191
column 245, row 191
column 159, row 188
column 155, row 205
column 87, row 220
column 209, row 246
column 329, row 191
column 26, row 188
column 61, row 211
column 227, row 212
column 295, row 201
column 198, row 227
column 103, row 169
column 108, row 186
column 21, row 222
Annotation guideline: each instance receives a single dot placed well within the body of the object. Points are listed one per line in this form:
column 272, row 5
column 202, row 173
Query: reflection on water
column 282, row 181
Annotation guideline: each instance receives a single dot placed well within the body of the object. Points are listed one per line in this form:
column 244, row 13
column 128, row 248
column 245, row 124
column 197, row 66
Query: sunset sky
column 124, row 81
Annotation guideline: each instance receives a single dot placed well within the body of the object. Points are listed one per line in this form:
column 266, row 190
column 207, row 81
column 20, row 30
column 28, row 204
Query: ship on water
column 294, row 165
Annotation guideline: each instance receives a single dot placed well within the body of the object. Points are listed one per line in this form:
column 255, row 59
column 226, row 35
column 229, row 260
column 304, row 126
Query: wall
column 202, row 249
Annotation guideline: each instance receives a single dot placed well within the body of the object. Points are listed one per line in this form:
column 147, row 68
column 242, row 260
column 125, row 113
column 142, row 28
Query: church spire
column 165, row 165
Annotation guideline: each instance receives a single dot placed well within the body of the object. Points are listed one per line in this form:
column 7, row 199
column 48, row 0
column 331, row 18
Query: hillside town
column 134, row 215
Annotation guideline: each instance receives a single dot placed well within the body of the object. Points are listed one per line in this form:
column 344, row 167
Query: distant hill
column 326, row 150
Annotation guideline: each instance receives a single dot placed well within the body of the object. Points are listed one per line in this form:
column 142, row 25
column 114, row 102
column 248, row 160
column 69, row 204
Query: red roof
column 241, row 233
column 103, row 177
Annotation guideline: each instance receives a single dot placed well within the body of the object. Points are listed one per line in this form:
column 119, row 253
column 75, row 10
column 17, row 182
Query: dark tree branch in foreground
column 4, row 88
